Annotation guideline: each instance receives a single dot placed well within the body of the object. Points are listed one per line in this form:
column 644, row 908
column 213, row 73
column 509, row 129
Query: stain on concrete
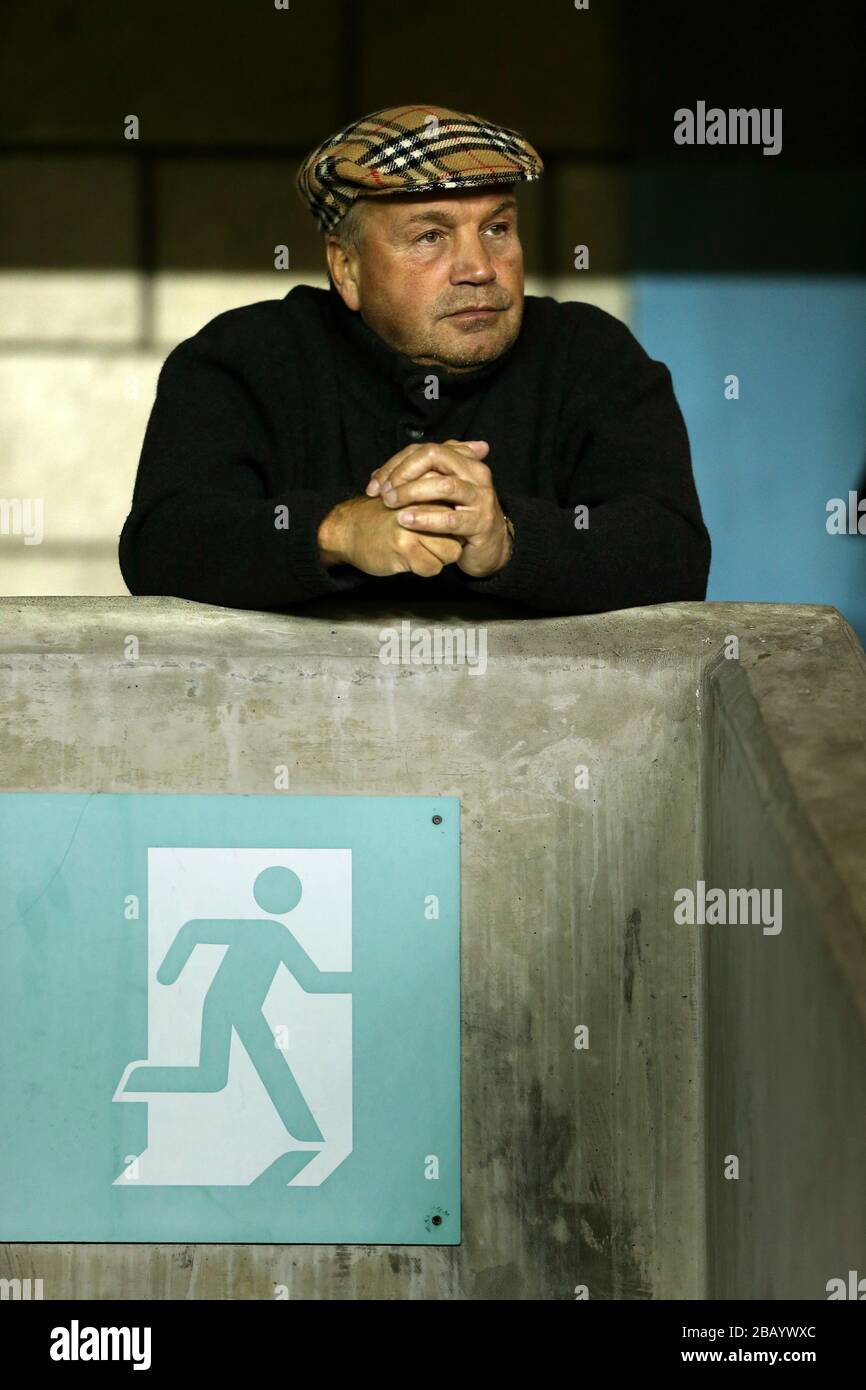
column 601, row 1250
column 631, row 953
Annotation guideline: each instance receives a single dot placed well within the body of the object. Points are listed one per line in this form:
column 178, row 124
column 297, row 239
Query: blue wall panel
column 767, row 464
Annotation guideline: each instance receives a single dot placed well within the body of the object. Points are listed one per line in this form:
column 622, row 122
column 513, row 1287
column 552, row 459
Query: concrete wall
column 596, row 1167
column 785, row 1056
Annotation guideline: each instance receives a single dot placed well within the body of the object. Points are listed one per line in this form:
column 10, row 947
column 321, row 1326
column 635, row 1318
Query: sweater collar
column 383, row 373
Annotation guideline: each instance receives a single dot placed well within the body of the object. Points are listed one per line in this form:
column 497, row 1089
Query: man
column 420, row 426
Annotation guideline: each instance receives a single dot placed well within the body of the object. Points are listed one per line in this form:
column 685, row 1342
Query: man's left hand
column 454, row 474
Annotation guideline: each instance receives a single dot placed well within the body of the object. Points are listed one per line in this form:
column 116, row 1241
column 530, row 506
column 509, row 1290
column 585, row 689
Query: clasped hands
column 428, row 506
column 446, row 490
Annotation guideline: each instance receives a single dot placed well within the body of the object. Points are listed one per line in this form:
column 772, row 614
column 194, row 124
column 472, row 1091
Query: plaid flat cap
column 410, row 149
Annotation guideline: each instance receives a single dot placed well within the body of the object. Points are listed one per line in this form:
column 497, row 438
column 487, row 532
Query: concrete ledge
column 602, row 1168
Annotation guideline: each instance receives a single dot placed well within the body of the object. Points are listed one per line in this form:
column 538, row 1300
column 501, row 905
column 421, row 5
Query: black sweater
column 295, row 401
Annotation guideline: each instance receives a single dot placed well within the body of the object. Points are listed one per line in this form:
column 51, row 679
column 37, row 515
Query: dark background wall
column 230, row 94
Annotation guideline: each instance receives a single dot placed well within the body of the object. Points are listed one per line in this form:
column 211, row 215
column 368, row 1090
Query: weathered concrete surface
column 785, row 761
column 594, row 1167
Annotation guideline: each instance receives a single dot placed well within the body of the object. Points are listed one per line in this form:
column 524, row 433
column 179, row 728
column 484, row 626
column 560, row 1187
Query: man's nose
column 472, row 261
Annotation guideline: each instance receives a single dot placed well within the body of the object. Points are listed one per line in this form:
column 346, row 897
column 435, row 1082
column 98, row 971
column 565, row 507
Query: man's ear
column 341, row 268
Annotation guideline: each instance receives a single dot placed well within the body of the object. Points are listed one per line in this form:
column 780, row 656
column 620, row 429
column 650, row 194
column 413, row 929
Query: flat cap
column 410, row 149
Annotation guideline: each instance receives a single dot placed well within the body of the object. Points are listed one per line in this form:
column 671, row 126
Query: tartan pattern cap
column 410, row 149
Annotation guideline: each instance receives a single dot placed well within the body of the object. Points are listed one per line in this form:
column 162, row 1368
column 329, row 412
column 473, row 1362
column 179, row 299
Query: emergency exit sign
column 229, row 1018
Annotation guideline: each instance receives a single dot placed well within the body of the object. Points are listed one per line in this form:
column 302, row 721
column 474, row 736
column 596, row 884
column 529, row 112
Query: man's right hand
column 365, row 533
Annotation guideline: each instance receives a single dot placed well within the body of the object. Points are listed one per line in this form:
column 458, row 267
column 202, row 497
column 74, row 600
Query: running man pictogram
column 256, row 949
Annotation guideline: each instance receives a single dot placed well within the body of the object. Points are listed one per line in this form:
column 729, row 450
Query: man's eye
column 502, row 226
column 432, row 232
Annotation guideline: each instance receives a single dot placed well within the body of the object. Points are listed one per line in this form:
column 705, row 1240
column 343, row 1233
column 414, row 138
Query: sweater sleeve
column 202, row 524
column 626, row 460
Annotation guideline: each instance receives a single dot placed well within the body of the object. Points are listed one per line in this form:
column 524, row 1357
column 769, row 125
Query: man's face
column 427, row 259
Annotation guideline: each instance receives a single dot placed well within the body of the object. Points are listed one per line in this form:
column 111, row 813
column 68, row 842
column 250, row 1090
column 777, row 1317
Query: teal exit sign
column 230, row 1018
